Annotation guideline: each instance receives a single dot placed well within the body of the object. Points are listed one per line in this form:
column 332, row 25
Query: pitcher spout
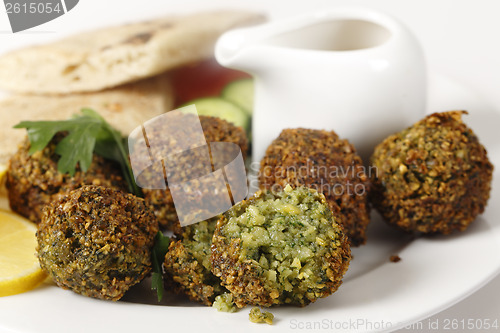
column 239, row 49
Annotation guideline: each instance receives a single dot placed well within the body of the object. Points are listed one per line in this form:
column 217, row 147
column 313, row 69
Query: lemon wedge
column 19, row 267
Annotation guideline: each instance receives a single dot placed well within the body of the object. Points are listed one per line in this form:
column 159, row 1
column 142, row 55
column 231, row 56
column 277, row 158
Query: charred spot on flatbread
column 141, row 38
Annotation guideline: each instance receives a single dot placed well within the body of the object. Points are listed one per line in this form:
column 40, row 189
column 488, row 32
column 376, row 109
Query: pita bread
column 109, row 57
column 125, row 108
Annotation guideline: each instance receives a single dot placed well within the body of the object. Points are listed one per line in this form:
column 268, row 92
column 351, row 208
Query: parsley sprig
column 88, row 133
column 159, row 251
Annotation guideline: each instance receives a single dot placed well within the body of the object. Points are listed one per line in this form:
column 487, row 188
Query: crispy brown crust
column 187, row 264
column 186, row 275
column 96, row 241
column 321, row 160
column 243, row 277
column 215, row 130
column 33, row 181
column 433, row 177
column 240, row 278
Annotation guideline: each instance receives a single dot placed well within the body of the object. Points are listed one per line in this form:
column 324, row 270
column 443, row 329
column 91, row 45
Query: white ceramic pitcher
column 356, row 71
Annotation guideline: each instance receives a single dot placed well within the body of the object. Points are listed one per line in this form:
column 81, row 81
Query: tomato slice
column 202, row 79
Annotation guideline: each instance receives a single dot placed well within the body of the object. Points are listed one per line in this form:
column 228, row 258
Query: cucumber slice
column 218, row 107
column 240, row 92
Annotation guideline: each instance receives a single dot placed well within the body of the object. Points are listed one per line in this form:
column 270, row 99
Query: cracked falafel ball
column 96, row 241
column 34, row 181
column 433, row 177
column 322, row 161
column 187, row 264
column 280, row 248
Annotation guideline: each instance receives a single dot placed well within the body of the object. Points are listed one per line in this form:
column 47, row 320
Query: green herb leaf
column 157, row 284
column 158, row 256
column 87, row 133
column 77, row 148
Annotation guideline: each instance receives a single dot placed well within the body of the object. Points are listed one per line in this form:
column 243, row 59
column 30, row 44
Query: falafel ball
column 187, row 264
column 433, row 177
column 96, row 241
column 34, row 181
column 160, row 200
column 320, row 160
column 280, row 248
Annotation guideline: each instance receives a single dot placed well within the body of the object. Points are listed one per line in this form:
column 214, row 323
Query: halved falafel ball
column 34, row 181
column 433, row 177
column 96, row 241
column 280, row 248
column 321, row 160
column 161, row 201
column 187, row 264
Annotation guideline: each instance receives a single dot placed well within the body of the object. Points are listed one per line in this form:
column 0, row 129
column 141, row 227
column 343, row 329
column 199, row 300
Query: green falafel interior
column 280, row 247
column 187, row 266
column 257, row 316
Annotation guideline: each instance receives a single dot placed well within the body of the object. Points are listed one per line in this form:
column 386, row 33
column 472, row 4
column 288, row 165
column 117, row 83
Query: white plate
column 376, row 295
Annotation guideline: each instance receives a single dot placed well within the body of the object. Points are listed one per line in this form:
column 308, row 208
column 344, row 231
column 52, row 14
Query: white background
column 461, row 40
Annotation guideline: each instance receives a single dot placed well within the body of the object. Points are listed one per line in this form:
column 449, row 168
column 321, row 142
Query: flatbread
column 109, row 57
column 125, row 108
